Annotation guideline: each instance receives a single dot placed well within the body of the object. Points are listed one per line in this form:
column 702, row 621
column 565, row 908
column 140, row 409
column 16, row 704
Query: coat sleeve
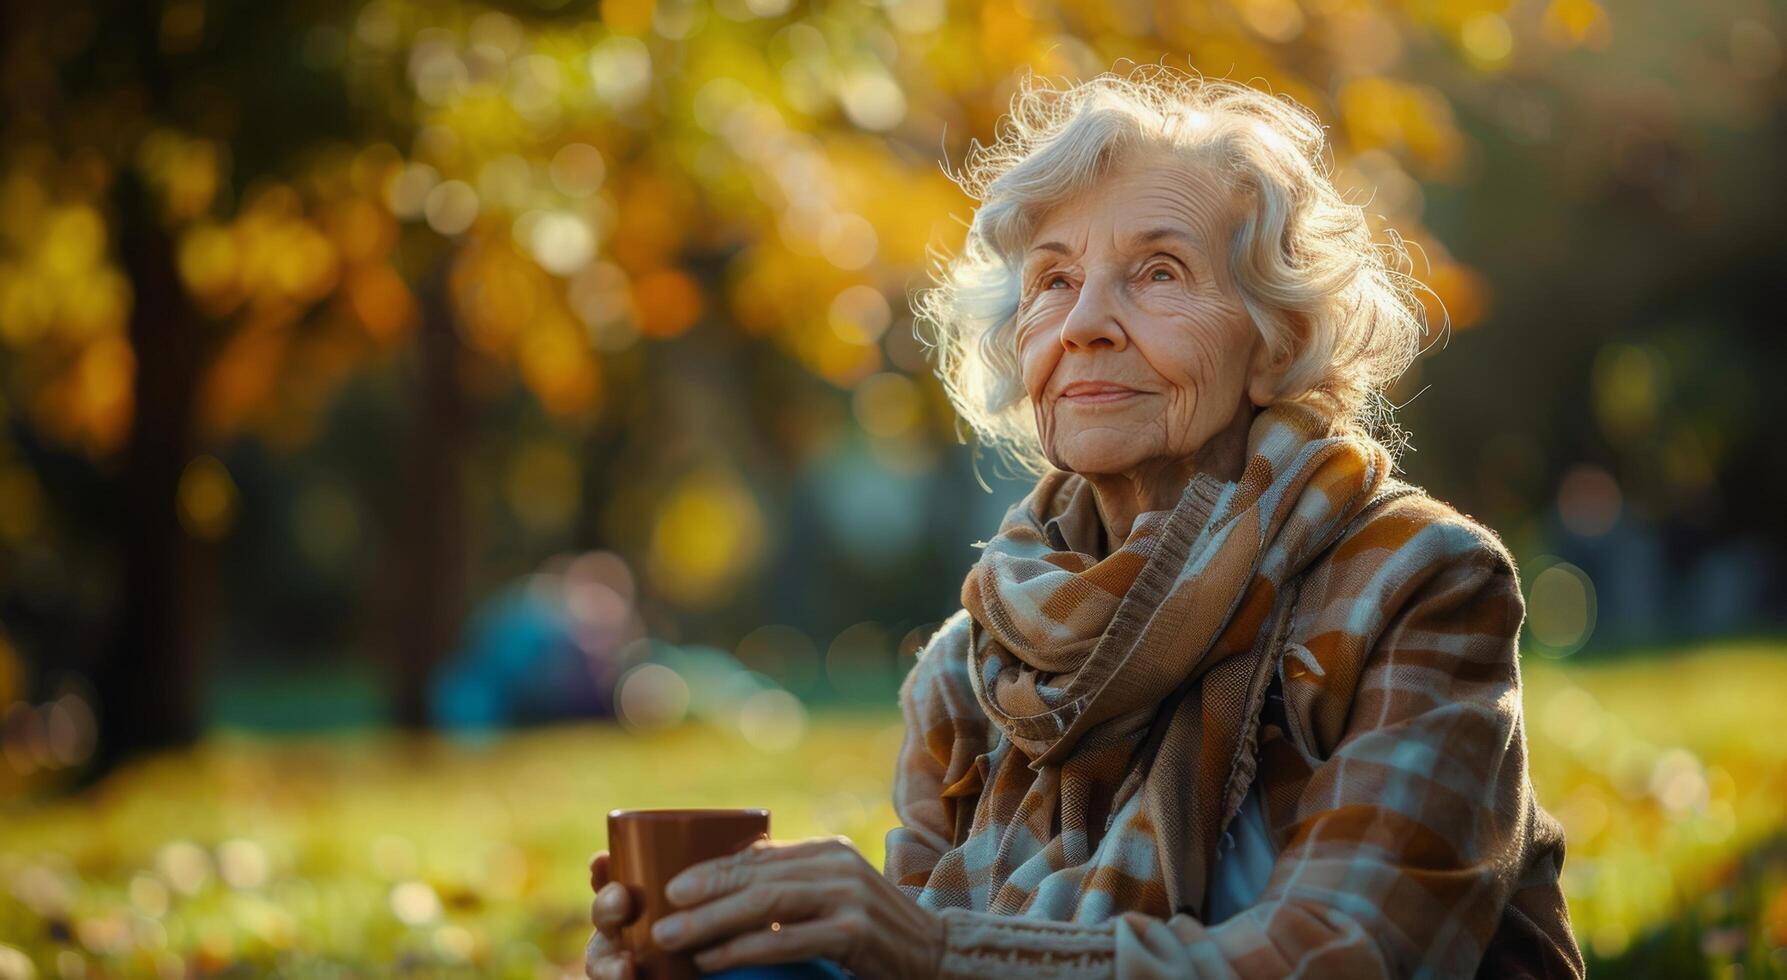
column 944, row 731
column 1407, row 840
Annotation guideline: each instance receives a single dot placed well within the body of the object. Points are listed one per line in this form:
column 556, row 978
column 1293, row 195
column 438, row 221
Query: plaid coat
column 1391, row 754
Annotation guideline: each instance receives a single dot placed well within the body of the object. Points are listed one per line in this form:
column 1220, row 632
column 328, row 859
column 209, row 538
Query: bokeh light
column 860, row 314
column 620, row 69
column 1487, row 40
column 1560, row 608
column 707, row 534
column 208, row 498
column 415, row 903
column 563, row 243
column 242, row 864
column 407, row 194
column 184, row 865
column 451, row 206
column 1628, row 386
column 1588, row 500
column 773, row 720
column 651, row 696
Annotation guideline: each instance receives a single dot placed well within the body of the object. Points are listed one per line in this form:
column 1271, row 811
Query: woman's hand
column 610, row 911
column 823, row 899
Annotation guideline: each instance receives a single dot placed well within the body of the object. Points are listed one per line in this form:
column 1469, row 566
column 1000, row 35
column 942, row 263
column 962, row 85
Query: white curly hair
column 1314, row 282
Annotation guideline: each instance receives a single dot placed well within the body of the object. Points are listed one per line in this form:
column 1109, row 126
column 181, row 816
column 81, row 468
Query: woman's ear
column 1265, row 375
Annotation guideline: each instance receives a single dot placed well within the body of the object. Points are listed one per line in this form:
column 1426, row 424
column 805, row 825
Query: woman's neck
column 1156, row 484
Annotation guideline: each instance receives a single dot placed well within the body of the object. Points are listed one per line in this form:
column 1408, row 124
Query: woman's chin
column 1101, row 460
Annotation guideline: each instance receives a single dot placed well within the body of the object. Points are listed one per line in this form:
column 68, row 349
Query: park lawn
column 370, row 855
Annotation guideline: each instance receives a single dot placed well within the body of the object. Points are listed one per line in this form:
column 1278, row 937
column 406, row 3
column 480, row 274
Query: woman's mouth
column 1096, row 392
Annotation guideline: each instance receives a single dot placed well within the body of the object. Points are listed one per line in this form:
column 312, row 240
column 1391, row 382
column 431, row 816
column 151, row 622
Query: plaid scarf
column 1074, row 654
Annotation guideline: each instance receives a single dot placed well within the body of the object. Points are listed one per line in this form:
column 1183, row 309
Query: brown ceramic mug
column 646, row 848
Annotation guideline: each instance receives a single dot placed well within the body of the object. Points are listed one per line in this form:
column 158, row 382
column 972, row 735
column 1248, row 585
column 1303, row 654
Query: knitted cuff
column 982, row 944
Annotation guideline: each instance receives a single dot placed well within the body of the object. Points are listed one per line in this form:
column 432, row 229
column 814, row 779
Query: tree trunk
column 149, row 680
column 430, row 537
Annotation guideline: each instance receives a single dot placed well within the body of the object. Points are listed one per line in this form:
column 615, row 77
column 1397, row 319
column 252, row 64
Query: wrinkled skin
column 824, row 896
column 1158, row 317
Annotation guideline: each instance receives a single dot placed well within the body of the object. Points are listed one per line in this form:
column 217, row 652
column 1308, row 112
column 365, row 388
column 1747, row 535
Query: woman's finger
column 598, row 871
column 793, row 941
column 608, row 909
column 603, row 960
column 743, row 911
column 713, row 876
column 612, row 908
column 762, row 861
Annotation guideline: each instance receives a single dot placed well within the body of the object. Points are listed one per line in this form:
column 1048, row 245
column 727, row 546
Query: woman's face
column 1134, row 343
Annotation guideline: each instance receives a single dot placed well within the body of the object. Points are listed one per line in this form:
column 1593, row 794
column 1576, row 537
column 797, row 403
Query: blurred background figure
column 545, row 648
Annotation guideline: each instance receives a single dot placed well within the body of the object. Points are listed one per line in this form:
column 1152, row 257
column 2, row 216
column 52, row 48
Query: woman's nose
column 1094, row 318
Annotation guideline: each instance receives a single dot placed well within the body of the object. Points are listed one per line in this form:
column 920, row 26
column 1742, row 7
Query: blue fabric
column 1244, row 861
column 815, row 969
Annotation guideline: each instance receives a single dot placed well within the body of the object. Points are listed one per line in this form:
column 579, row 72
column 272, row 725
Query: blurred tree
column 126, row 123
column 644, row 212
column 429, row 556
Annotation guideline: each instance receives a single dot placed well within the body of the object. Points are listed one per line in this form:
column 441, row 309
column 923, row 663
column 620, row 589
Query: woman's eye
column 1050, row 282
column 1160, row 269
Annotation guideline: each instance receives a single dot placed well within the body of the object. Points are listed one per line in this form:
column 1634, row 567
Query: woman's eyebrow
column 1153, row 235
column 1148, row 237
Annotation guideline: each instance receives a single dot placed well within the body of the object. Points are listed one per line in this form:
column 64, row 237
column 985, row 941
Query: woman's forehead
column 1135, row 211
column 1137, row 205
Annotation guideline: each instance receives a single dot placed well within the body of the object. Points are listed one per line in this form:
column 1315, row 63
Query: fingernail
column 680, row 889
column 667, row 930
column 612, row 895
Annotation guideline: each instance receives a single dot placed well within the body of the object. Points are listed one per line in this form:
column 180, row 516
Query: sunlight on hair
column 1315, row 283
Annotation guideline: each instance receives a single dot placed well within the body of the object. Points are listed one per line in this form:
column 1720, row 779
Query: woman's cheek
column 1180, row 346
column 1036, row 363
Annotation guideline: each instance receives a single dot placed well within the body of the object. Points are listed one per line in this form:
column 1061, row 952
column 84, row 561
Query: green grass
column 373, row 855
column 1668, row 775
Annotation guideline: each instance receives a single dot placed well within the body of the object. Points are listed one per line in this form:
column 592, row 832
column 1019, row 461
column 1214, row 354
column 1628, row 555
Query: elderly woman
column 1225, row 698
